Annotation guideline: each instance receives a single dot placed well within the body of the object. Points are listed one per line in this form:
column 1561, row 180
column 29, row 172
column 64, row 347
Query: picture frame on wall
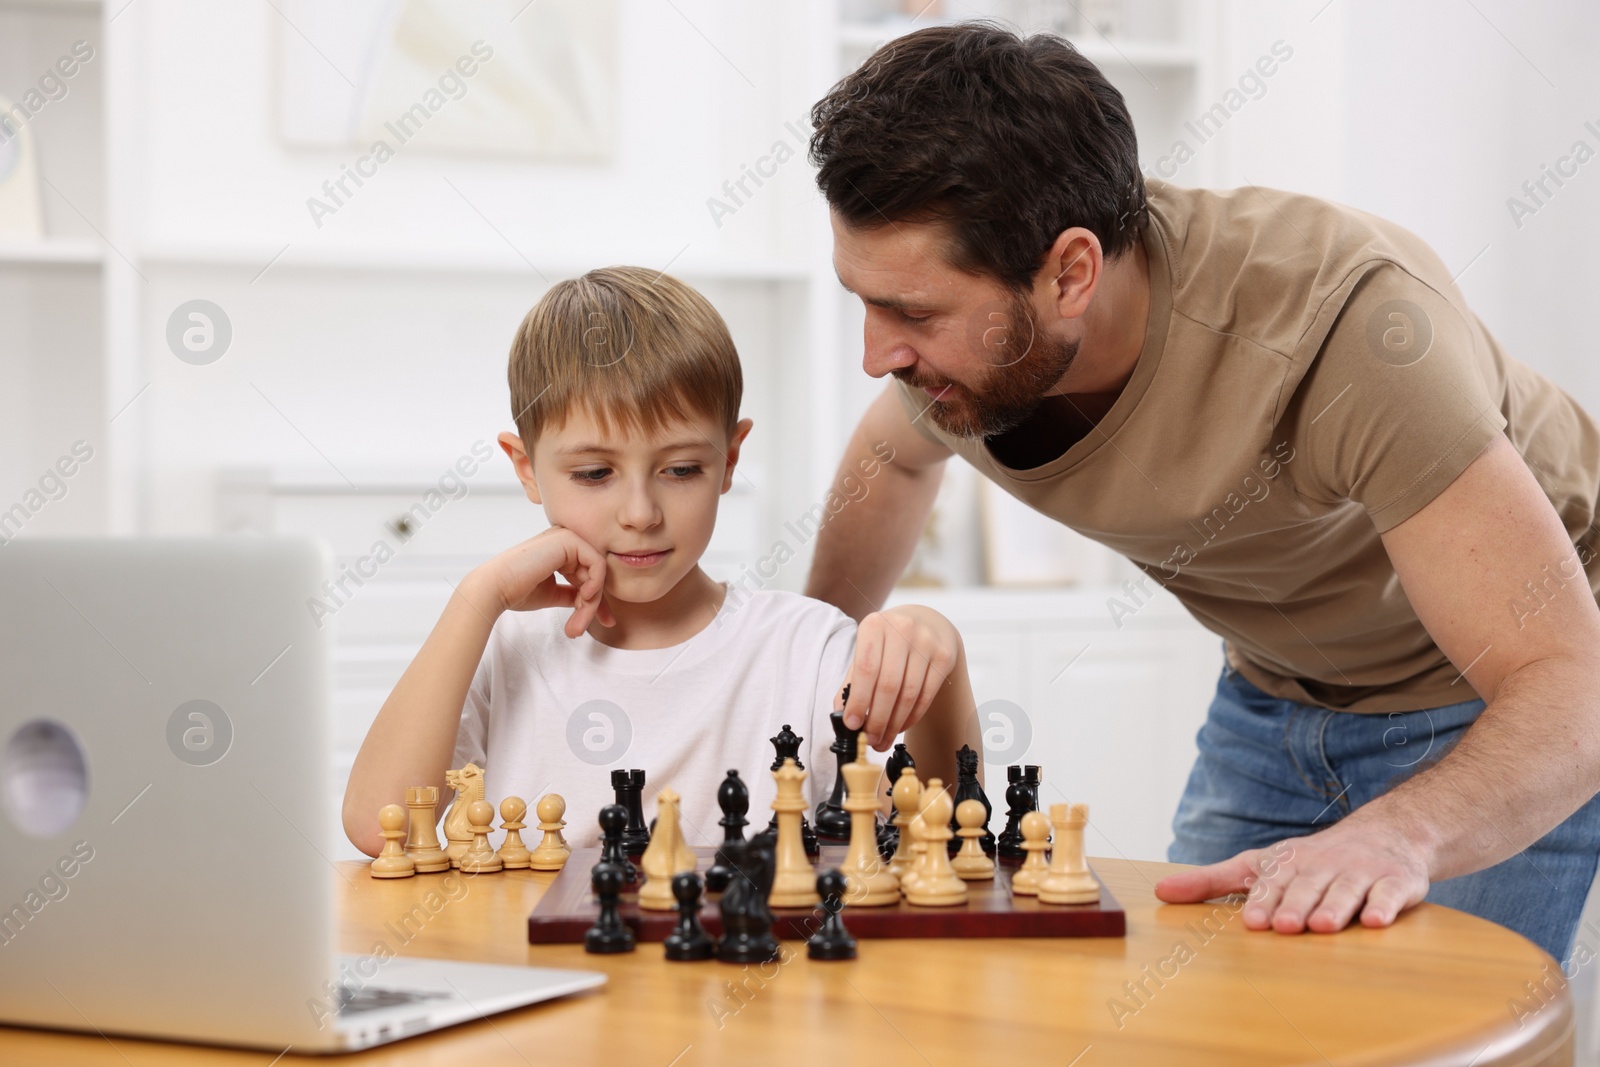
column 21, row 217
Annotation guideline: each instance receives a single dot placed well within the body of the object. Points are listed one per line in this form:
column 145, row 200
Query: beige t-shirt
column 1310, row 378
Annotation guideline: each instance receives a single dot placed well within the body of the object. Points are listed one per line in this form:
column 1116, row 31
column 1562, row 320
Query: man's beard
column 1012, row 386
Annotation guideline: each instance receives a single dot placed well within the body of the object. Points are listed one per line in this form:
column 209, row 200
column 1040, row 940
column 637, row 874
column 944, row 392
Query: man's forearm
column 863, row 548
column 1530, row 760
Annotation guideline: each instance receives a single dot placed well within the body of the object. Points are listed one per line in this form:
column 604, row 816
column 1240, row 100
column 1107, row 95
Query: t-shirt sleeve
column 472, row 735
column 1396, row 403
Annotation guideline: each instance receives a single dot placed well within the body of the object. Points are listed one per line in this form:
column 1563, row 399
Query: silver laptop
column 165, row 808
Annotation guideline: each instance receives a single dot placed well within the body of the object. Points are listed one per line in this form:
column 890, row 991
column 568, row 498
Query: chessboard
column 568, row 909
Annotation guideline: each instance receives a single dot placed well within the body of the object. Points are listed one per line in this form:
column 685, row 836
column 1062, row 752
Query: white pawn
column 479, row 857
column 937, row 884
column 970, row 864
column 393, row 862
column 552, row 853
column 1035, row 840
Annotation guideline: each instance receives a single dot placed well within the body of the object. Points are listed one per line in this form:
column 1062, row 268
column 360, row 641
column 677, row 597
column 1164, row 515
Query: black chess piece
column 609, row 933
column 888, row 832
column 688, row 940
column 629, row 787
column 969, row 788
column 1032, row 779
column 1009, row 846
column 746, row 919
column 831, row 941
column 787, row 746
column 613, row 821
column 733, row 797
column 833, row 822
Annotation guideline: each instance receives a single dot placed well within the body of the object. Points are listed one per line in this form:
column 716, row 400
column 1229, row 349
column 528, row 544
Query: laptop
column 166, row 811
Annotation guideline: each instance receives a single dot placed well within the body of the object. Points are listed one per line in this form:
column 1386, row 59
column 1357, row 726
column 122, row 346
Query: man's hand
column 903, row 656
column 1320, row 883
column 523, row 578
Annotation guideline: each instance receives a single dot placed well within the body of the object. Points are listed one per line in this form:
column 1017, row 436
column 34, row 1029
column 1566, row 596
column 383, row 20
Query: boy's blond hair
column 627, row 344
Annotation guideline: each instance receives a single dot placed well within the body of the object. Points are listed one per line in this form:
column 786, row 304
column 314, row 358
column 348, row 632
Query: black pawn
column 833, row 822
column 831, row 941
column 733, row 797
column 613, row 820
column 1010, row 844
column 969, row 788
column 609, row 933
column 629, row 787
column 888, row 832
column 689, row 940
column 787, row 746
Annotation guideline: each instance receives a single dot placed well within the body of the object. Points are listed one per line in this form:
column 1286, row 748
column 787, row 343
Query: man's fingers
column 1263, row 903
column 1203, row 883
column 1300, row 897
column 1387, row 898
column 1339, row 905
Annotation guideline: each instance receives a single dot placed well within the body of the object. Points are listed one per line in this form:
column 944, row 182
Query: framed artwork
column 1021, row 547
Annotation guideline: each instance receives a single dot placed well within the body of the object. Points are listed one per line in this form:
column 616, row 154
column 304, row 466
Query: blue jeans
column 1270, row 769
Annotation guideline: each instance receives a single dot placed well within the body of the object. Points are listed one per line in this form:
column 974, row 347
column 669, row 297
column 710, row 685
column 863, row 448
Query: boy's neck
column 674, row 618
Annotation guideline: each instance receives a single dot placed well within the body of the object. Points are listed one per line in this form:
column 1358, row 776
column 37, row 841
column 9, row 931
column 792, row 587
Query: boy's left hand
column 903, row 656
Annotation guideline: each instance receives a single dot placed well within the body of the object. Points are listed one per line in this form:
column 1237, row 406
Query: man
column 1283, row 411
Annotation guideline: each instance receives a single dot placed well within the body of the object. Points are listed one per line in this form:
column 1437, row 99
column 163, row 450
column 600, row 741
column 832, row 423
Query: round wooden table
column 1188, row 987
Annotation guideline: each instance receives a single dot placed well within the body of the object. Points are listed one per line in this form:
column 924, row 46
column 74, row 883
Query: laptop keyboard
column 356, row 999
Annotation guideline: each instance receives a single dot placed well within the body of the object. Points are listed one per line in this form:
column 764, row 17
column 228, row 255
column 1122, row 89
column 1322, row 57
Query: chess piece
column 867, row 876
column 613, row 821
column 970, row 864
column 794, row 882
column 746, row 918
column 629, row 787
column 688, row 940
column 832, row 941
column 787, row 746
column 937, row 885
column 393, row 862
column 1033, row 777
column 552, row 853
column 969, row 788
column 479, row 857
column 833, row 822
column 1009, row 846
column 667, row 855
column 422, row 842
column 1035, row 840
column 514, row 855
column 889, row 832
column 907, row 795
column 1069, row 880
column 609, row 933
column 468, row 784
column 733, row 797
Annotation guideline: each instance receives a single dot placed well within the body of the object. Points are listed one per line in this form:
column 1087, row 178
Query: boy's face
column 647, row 503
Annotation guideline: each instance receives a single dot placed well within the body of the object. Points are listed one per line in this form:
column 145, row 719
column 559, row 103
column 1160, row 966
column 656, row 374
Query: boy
column 625, row 388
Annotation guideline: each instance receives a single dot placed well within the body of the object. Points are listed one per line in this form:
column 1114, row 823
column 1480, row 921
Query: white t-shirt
column 548, row 713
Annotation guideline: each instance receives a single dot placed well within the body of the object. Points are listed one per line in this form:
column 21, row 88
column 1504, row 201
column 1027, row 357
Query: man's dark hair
column 1010, row 140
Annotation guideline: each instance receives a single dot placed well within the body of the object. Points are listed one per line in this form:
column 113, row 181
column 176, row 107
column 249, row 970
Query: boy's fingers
column 886, row 693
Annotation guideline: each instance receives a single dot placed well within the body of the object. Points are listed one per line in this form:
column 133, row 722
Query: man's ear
column 522, row 463
column 740, row 432
column 1071, row 272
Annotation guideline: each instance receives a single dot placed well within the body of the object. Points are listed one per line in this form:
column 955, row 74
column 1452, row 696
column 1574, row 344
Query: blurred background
column 261, row 262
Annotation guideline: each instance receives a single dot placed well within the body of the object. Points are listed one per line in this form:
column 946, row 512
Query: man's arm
column 1531, row 758
column 863, row 548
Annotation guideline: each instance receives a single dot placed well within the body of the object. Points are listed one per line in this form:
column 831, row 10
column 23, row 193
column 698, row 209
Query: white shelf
column 1104, row 51
column 265, row 259
column 69, row 7
column 53, row 250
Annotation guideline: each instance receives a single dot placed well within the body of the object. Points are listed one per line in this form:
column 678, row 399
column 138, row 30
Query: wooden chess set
column 905, row 879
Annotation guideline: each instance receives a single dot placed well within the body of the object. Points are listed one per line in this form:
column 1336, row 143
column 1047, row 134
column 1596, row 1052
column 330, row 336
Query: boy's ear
column 740, row 432
column 522, row 463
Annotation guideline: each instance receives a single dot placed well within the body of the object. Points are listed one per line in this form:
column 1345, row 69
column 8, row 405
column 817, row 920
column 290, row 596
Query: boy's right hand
column 523, row 578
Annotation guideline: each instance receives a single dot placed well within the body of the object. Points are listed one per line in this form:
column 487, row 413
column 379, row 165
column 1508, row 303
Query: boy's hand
column 523, row 578
column 903, row 656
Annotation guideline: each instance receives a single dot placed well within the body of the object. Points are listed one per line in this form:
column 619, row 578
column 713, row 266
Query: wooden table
column 1432, row 989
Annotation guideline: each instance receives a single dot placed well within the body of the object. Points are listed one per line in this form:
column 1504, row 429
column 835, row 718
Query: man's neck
column 1113, row 335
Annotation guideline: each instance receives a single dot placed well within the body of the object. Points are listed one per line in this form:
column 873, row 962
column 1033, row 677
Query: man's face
column 649, row 503
column 976, row 349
